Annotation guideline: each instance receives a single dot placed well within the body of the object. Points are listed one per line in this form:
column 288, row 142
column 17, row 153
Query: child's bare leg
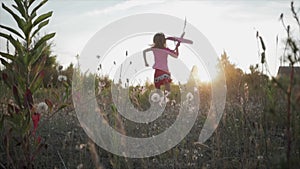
column 167, row 89
column 167, row 86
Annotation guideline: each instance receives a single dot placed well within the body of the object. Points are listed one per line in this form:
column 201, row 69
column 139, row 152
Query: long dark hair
column 159, row 40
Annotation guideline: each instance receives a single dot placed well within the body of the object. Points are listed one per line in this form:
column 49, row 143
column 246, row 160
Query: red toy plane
column 180, row 39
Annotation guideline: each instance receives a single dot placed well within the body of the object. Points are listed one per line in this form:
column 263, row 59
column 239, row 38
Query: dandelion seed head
column 80, row 166
column 260, row 157
column 155, row 98
column 195, row 90
column 42, row 108
column 101, row 85
column 194, row 157
column 189, row 96
column 81, row 146
column 62, row 78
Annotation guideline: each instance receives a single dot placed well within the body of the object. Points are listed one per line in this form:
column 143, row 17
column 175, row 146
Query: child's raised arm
column 174, row 53
column 144, row 54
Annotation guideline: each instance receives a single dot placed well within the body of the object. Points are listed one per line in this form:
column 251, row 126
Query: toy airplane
column 181, row 39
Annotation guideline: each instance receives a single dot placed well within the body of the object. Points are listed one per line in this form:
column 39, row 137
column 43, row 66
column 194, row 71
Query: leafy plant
column 291, row 55
column 23, row 75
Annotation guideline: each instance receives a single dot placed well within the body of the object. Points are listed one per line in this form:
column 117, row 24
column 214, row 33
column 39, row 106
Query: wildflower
column 42, row 108
column 189, row 96
column 62, row 78
column 155, row 97
column 260, row 157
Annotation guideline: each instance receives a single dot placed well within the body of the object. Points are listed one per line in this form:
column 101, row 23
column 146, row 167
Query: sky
column 229, row 26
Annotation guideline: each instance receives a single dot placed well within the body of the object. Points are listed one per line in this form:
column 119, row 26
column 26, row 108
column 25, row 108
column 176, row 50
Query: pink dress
column 162, row 74
column 161, row 58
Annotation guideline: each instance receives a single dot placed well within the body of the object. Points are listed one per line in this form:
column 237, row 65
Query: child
column 162, row 76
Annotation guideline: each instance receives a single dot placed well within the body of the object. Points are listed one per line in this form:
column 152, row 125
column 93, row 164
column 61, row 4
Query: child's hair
column 159, row 40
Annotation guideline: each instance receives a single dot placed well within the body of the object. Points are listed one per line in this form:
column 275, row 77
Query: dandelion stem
column 60, row 157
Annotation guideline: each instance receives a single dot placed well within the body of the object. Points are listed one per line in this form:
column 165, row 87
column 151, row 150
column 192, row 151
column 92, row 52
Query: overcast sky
column 228, row 25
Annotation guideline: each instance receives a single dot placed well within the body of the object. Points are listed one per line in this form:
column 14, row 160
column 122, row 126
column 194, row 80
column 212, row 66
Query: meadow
column 39, row 128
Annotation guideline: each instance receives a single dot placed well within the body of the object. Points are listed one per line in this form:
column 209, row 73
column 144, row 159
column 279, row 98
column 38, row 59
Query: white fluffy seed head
column 62, row 78
column 42, row 108
column 155, row 97
column 189, row 96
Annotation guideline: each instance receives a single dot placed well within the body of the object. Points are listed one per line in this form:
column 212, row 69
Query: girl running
column 162, row 76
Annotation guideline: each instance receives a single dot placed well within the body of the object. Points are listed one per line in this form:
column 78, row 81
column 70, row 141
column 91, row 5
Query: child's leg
column 167, row 89
column 167, row 86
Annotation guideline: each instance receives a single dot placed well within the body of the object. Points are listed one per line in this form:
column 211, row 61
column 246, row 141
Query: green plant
column 23, row 76
column 291, row 55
